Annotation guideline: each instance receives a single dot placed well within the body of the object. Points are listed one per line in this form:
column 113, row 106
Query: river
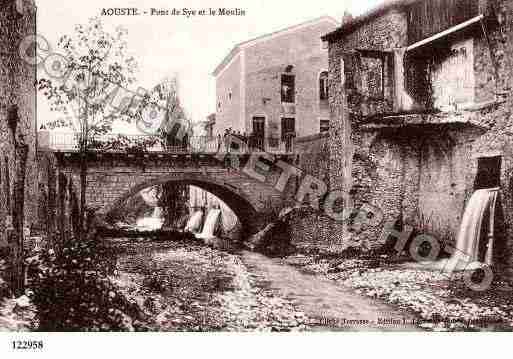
column 190, row 287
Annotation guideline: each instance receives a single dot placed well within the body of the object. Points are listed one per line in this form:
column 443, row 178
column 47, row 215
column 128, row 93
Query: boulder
column 273, row 240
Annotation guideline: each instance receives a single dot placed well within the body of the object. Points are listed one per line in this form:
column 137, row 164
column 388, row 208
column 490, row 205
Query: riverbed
column 190, row 287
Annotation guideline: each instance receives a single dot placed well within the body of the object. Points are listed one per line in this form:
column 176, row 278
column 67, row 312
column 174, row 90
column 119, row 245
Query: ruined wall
column 17, row 90
column 314, row 231
column 350, row 166
column 312, row 155
column 420, row 172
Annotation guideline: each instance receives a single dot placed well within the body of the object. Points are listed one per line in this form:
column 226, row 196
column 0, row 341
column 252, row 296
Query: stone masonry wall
column 423, row 174
column 314, row 231
column 267, row 60
column 228, row 97
column 350, row 166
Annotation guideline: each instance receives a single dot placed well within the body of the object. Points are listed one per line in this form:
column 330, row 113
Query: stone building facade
column 420, row 99
column 17, row 111
column 275, row 86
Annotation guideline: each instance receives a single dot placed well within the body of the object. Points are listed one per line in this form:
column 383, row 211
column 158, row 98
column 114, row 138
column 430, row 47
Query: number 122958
column 27, row 344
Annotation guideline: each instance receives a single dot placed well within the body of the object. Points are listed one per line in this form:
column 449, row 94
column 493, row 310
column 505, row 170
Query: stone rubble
column 441, row 301
column 187, row 301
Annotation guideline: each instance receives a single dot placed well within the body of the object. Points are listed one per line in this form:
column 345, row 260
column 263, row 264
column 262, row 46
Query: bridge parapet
column 116, row 142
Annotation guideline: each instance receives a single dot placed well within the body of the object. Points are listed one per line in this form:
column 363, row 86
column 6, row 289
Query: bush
column 72, row 291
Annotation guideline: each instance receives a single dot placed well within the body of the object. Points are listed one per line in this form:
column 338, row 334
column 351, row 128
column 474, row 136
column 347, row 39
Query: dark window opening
column 323, row 86
column 324, row 126
column 488, row 173
column 258, row 137
column 288, row 127
column 288, row 131
column 288, row 88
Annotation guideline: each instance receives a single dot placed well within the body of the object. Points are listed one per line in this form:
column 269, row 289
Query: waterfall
column 228, row 217
column 469, row 235
column 151, row 223
column 211, row 223
column 194, row 223
column 468, row 239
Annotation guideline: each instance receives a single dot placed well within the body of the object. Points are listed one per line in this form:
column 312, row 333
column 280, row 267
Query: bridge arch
column 115, row 176
column 242, row 205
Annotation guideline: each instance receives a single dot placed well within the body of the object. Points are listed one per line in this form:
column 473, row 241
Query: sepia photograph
column 279, row 168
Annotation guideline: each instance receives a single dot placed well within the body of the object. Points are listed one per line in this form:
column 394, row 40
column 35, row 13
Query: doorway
column 488, row 172
column 258, row 132
column 288, row 132
column 489, row 176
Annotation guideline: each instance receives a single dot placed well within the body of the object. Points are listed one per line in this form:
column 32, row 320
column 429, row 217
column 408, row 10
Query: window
column 288, row 88
column 323, row 86
column 257, row 139
column 324, row 126
column 288, row 127
column 230, row 95
column 488, row 173
column 288, row 132
column 259, row 126
column 324, row 45
column 210, row 131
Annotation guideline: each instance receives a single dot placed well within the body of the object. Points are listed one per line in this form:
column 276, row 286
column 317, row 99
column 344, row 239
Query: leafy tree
column 89, row 91
column 175, row 133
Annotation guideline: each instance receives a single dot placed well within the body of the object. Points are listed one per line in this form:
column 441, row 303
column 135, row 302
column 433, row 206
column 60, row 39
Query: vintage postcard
column 255, row 166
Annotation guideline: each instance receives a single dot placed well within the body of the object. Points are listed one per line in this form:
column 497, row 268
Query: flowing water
column 211, row 223
column 194, row 223
column 466, row 255
column 469, row 235
column 151, row 223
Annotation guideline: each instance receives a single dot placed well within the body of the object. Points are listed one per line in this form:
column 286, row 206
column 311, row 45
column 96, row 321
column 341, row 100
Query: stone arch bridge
column 115, row 176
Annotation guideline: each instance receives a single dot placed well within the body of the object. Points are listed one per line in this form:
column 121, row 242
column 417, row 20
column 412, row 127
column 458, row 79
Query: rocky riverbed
column 443, row 302
column 195, row 288
column 189, row 287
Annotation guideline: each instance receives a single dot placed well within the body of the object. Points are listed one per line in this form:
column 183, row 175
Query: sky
column 189, row 48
